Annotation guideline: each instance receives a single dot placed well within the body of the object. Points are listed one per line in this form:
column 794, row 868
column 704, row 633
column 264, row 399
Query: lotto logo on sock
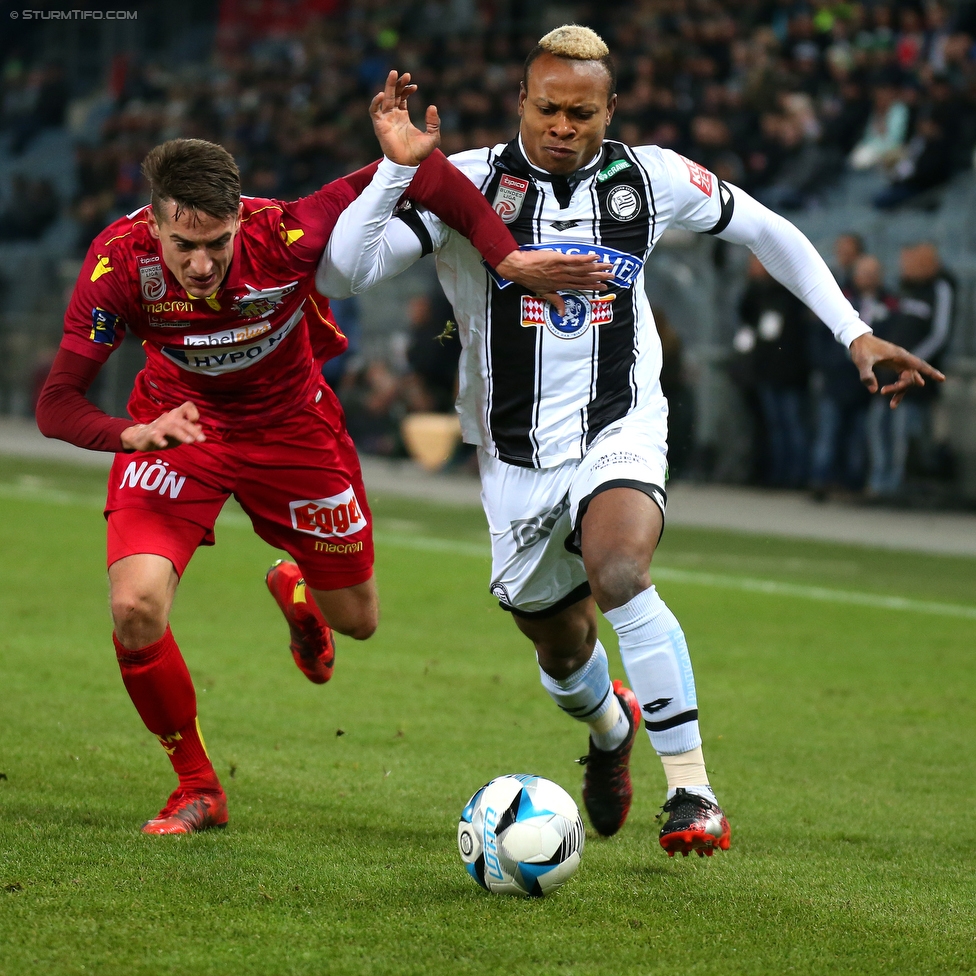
column 335, row 517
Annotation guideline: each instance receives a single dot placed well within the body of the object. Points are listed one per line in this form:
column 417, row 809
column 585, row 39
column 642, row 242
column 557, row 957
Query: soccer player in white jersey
column 564, row 402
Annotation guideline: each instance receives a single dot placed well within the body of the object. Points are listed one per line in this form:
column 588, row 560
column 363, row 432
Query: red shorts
column 299, row 482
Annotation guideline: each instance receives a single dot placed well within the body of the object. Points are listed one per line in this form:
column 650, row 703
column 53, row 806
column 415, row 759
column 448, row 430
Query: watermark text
column 74, row 14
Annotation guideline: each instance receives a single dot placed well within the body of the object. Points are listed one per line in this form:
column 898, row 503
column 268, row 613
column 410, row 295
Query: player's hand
column 178, row 426
column 868, row 351
column 547, row 272
column 399, row 138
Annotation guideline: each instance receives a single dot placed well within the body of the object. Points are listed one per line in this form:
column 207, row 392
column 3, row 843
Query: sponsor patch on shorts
column 333, row 517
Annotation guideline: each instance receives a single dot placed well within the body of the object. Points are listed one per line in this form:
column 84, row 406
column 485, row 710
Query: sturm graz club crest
column 623, row 203
column 580, row 312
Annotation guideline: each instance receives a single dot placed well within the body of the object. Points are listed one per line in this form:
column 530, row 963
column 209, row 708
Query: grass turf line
column 839, row 738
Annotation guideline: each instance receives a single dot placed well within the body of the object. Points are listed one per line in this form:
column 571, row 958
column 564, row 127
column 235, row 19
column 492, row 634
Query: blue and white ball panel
column 521, row 835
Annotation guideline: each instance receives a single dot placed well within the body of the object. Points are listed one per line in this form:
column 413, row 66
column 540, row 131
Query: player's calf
column 352, row 611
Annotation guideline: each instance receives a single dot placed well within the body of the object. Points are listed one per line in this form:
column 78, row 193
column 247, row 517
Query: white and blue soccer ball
column 521, row 835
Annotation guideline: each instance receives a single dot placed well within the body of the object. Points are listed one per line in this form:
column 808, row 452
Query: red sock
column 160, row 687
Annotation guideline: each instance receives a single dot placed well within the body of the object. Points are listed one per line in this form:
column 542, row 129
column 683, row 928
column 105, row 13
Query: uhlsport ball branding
column 521, row 835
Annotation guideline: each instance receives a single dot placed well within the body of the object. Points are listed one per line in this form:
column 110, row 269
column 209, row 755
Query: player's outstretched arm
column 794, row 262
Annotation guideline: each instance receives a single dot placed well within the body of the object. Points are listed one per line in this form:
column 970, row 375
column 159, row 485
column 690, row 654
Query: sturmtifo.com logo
column 74, row 14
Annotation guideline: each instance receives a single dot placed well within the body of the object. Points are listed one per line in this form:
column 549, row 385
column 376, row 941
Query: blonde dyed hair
column 575, row 43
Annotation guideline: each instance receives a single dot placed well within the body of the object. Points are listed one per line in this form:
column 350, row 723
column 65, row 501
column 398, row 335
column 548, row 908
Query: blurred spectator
column 778, row 321
column 346, row 312
column 36, row 101
column 923, row 324
column 681, row 406
column 839, row 453
column 433, row 350
column 32, row 207
column 370, row 398
column 804, row 169
column 928, row 157
column 847, row 249
column 886, row 130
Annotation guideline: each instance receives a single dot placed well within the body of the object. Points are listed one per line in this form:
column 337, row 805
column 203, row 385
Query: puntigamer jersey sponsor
column 241, row 354
column 536, row 386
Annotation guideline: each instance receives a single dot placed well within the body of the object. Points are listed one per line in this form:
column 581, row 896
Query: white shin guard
column 655, row 657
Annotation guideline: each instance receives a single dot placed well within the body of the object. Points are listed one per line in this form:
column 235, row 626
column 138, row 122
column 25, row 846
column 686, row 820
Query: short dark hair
column 196, row 175
column 574, row 43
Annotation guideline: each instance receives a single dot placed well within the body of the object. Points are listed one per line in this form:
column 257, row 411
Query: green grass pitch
column 840, row 739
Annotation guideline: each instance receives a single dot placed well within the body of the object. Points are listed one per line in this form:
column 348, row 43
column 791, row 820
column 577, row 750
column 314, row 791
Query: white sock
column 655, row 657
column 703, row 790
column 608, row 740
column 587, row 695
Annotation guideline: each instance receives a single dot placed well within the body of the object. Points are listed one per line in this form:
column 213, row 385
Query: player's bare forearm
column 868, row 351
column 399, row 139
column 171, row 429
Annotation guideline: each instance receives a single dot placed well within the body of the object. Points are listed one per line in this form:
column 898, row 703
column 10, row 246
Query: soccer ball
column 521, row 835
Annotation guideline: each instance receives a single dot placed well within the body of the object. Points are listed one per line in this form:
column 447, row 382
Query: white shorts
column 535, row 514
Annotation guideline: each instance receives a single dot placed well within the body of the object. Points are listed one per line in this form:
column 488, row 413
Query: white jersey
column 536, row 387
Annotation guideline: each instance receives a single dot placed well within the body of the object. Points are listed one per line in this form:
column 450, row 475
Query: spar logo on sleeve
column 334, row 517
column 699, row 176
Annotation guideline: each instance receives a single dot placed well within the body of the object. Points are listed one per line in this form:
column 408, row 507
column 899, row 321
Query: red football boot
column 694, row 824
column 607, row 791
column 312, row 643
column 188, row 812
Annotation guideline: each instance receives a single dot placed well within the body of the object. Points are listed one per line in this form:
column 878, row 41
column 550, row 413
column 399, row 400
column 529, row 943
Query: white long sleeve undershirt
column 794, row 262
column 366, row 247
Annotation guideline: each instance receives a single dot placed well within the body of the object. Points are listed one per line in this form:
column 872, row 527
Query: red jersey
column 243, row 354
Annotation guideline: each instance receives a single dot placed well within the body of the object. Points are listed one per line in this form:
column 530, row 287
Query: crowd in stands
column 814, row 423
column 774, row 95
column 777, row 96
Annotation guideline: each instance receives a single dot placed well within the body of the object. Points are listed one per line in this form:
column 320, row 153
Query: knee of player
column 133, row 608
column 617, row 581
column 360, row 626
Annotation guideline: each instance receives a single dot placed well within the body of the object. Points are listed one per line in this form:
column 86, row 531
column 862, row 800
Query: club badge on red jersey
column 510, row 197
column 152, row 284
column 261, row 302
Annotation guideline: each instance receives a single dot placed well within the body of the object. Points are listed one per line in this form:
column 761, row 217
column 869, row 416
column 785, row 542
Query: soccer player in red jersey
column 231, row 401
